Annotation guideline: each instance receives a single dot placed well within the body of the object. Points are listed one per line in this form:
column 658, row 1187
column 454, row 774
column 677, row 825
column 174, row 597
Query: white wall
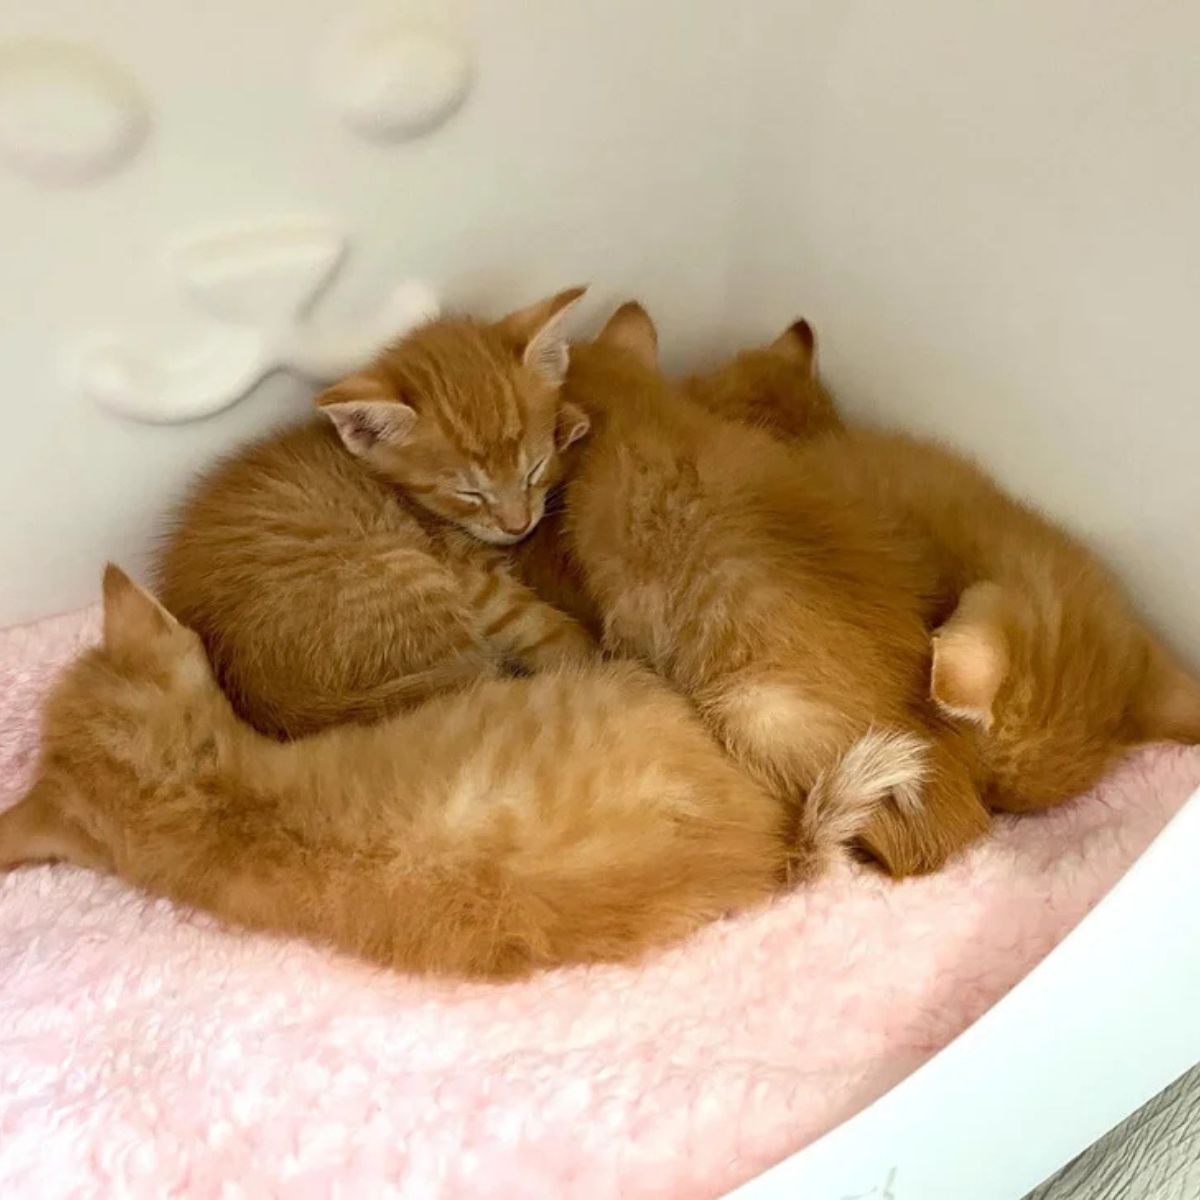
column 593, row 147
column 988, row 209
column 992, row 214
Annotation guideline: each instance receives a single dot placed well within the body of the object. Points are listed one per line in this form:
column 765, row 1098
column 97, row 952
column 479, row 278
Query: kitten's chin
column 496, row 537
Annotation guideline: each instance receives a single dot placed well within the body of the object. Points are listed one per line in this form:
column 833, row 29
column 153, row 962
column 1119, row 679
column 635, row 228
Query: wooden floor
column 1153, row 1155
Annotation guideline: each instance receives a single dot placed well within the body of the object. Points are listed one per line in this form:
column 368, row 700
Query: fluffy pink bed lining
column 146, row 1052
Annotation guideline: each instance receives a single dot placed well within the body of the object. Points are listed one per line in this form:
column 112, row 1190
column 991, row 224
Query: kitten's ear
column 1167, row 705
column 27, row 832
column 364, row 424
column 536, row 332
column 971, row 655
column 630, row 328
column 573, row 423
column 35, row 830
column 133, row 619
column 798, row 344
column 365, row 413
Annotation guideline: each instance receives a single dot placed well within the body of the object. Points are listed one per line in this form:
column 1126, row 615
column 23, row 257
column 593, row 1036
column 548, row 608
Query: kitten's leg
column 788, row 736
column 519, row 624
column 33, row 831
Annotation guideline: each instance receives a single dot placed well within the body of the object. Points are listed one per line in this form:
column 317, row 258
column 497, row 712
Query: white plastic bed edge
column 1106, row 1021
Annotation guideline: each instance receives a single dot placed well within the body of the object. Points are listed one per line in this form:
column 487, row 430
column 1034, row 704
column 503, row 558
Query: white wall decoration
column 260, row 283
column 390, row 81
column 68, row 114
column 564, row 170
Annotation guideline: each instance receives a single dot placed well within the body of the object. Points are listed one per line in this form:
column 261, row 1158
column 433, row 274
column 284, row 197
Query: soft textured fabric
column 144, row 1051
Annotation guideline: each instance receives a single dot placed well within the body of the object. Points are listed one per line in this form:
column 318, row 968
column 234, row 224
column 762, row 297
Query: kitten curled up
column 1038, row 657
column 582, row 815
column 356, row 564
column 782, row 605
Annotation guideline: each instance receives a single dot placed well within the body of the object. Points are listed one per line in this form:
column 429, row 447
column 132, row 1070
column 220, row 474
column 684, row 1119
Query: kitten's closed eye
column 537, row 470
column 470, row 497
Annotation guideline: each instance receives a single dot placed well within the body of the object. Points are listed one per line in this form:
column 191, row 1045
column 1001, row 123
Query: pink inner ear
column 361, row 424
column 358, row 426
column 970, row 655
column 969, row 665
column 573, row 423
column 548, row 355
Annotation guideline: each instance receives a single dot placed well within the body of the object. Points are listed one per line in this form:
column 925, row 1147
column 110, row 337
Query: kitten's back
column 570, row 817
column 317, row 592
column 1083, row 677
column 580, row 816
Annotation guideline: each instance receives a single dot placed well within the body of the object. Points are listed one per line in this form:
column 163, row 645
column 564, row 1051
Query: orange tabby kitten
column 758, row 388
column 578, row 816
column 783, row 607
column 1040, row 659
column 332, row 586
column 545, row 561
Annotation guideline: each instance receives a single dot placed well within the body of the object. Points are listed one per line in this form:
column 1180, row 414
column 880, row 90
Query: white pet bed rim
column 1105, row 1022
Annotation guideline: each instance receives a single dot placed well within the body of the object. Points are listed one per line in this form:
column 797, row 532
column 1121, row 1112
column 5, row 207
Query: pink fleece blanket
column 144, row 1051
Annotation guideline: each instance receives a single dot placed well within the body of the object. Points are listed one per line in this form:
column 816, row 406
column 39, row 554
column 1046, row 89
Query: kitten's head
column 466, row 417
column 619, row 366
column 1059, row 681
column 775, row 387
column 123, row 715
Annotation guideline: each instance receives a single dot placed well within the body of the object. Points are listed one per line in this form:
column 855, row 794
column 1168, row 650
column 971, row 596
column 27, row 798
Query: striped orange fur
column 342, row 569
column 583, row 815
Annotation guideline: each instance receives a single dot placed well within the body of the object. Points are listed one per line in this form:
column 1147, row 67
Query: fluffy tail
column 842, row 801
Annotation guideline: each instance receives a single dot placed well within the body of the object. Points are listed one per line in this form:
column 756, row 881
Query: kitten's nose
column 514, row 517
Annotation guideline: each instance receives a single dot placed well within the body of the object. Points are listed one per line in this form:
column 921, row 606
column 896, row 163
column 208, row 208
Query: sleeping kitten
column 545, row 560
column 580, row 816
column 791, row 615
column 331, row 586
column 1039, row 658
